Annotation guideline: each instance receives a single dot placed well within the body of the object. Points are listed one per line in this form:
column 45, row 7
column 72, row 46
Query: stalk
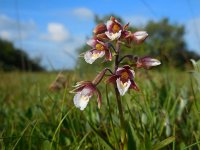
column 123, row 144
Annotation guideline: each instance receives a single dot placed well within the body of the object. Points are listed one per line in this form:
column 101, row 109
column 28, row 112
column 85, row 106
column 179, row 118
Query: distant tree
column 165, row 42
column 12, row 58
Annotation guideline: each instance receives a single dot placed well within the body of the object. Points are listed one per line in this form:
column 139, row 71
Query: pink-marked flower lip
column 99, row 49
column 124, row 79
column 84, row 91
column 147, row 62
column 100, row 28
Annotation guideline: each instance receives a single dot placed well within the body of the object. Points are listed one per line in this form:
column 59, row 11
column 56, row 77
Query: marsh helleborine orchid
column 84, row 91
column 105, row 35
column 124, row 79
column 99, row 49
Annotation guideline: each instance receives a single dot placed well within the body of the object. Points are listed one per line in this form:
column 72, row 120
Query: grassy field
column 164, row 114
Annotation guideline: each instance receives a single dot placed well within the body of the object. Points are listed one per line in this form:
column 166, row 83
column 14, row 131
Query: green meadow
column 163, row 115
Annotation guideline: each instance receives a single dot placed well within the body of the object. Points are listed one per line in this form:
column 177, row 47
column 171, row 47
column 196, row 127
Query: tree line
column 12, row 58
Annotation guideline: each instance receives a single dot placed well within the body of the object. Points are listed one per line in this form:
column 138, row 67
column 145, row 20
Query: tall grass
column 164, row 114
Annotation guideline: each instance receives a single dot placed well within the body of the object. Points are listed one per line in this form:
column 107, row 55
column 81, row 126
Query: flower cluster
column 102, row 45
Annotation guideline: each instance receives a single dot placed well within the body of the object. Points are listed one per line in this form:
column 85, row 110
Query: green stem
column 123, row 143
column 111, row 119
column 122, row 121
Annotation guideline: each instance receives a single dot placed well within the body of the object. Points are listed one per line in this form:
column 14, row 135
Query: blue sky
column 53, row 30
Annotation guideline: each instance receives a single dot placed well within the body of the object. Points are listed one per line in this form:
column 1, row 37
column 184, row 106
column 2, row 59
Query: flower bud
column 100, row 28
column 147, row 62
column 140, row 36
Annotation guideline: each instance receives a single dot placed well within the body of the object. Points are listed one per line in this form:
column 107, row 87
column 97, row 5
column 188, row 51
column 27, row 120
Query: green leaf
column 81, row 142
column 164, row 143
column 58, row 127
column 194, row 144
column 110, row 116
column 22, row 134
column 105, row 142
column 131, row 141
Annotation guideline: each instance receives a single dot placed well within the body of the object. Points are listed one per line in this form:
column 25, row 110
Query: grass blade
column 59, row 125
column 81, row 142
column 30, row 142
column 21, row 135
column 110, row 115
column 131, row 141
column 104, row 141
column 164, row 143
column 192, row 145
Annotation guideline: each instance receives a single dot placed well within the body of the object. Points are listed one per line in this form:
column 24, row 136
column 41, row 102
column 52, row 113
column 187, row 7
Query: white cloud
column 83, row 13
column 11, row 29
column 62, row 48
column 56, row 32
column 5, row 35
column 12, row 24
column 193, row 34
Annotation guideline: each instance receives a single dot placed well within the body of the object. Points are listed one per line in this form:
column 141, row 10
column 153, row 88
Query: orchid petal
column 77, row 89
column 91, row 56
column 112, row 79
column 119, row 69
column 125, row 26
column 91, row 42
column 126, row 67
column 108, row 55
column 100, row 28
column 109, row 24
column 123, row 87
column 81, row 100
column 133, row 73
column 102, row 36
column 134, row 86
column 99, row 98
column 81, row 83
column 113, row 36
column 147, row 62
